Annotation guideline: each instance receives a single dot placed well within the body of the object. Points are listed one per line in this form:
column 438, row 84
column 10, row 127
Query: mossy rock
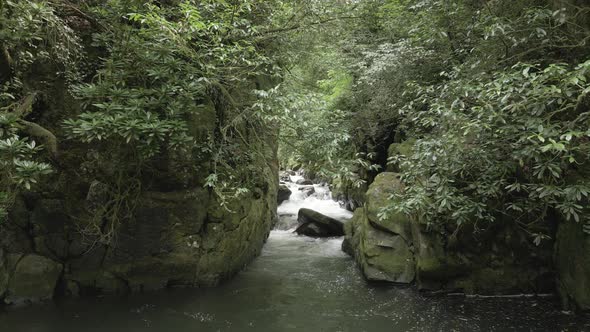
column 381, row 255
column 390, row 266
column 381, row 189
column 34, row 279
column 393, row 263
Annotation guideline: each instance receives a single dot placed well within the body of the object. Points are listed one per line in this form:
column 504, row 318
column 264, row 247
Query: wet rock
column 315, row 224
column 312, row 230
column 284, row 177
column 34, row 280
column 304, row 182
column 307, row 190
column 284, row 194
column 347, row 246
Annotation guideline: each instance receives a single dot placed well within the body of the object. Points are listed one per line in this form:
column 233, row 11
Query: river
column 297, row 284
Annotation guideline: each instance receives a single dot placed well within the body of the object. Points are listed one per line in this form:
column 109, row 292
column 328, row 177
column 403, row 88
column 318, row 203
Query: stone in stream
column 284, row 177
column 304, row 182
column 307, row 190
column 315, row 224
column 284, row 193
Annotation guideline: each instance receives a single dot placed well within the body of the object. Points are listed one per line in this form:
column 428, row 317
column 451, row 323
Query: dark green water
column 297, row 284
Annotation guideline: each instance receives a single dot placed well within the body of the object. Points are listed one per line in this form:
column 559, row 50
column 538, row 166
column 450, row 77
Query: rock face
column 178, row 232
column 182, row 238
column 284, row 194
column 315, row 224
column 573, row 265
column 304, row 182
column 496, row 261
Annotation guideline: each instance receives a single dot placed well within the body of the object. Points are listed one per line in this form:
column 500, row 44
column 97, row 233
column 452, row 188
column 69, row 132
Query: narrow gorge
column 337, row 165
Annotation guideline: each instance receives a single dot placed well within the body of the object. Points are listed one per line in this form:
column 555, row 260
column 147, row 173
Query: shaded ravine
column 297, row 284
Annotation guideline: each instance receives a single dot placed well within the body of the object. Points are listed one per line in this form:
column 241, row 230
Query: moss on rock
column 404, row 148
column 380, row 254
column 377, row 196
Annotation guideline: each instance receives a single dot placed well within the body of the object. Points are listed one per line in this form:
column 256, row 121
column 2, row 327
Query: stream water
column 297, row 284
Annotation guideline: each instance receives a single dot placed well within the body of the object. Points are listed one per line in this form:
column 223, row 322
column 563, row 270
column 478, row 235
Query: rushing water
column 297, row 284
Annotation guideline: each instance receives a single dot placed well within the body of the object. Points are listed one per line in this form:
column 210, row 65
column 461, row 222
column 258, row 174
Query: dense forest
column 141, row 141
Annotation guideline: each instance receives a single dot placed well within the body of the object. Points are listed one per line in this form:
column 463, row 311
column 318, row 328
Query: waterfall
column 320, row 201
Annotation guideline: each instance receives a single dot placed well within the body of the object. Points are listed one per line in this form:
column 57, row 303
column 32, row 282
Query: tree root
column 35, row 130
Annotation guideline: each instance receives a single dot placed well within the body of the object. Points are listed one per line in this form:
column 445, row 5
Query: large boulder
column 284, row 194
column 34, row 279
column 500, row 259
column 573, row 264
column 377, row 197
column 382, row 247
column 315, row 224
